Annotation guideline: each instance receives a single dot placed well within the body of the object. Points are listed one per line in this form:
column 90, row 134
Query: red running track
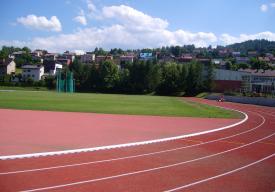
column 236, row 159
column 25, row 131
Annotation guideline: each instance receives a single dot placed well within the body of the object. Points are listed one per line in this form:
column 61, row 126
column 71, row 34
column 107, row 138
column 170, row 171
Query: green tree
column 152, row 76
column 138, row 77
column 255, row 64
column 194, row 79
column 209, row 80
column 108, row 76
column 243, row 66
column 172, row 79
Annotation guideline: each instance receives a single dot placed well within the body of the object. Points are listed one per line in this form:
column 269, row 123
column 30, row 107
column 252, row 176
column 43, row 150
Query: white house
column 34, row 72
column 55, row 68
column 7, row 66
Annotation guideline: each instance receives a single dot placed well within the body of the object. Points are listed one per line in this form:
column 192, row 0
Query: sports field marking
column 42, row 154
column 136, row 156
column 221, row 175
column 147, row 170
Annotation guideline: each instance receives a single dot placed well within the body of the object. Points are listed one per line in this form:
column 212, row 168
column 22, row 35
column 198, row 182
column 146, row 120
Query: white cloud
column 93, row 12
column 91, row 6
column 272, row 5
column 264, row 8
column 228, row 39
column 42, row 23
column 131, row 29
column 81, row 18
column 132, row 18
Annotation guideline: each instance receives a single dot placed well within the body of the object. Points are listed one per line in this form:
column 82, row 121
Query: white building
column 7, row 66
column 34, row 72
column 54, row 68
column 260, row 81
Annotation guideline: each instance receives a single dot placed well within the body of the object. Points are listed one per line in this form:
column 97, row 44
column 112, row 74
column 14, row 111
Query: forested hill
column 261, row 46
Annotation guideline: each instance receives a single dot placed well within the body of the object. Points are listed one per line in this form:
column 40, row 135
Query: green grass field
column 10, row 88
column 109, row 103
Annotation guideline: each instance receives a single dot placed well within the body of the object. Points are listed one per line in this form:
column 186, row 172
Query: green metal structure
column 65, row 82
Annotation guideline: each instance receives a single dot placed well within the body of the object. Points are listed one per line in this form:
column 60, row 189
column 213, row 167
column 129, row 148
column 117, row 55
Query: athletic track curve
column 241, row 158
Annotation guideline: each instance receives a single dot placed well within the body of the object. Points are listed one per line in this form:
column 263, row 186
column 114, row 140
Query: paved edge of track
column 42, row 154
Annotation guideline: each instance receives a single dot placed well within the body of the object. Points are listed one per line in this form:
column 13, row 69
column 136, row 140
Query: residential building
column 50, row 67
column 37, row 53
column 184, row 59
column 242, row 60
column 7, row 66
column 87, row 58
column 126, row 58
column 68, row 55
column 18, row 53
column 223, row 53
column 236, row 54
column 264, row 59
column 204, row 61
column 34, row 72
column 62, row 61
column 252, row 54
column 50, row 56
column 101, row 58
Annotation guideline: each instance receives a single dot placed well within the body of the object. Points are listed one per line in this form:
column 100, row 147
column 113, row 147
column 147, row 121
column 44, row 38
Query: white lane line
column 267, row 113
column 42, row 154
column 221, row 175
column 146, row 170
column 135, row 156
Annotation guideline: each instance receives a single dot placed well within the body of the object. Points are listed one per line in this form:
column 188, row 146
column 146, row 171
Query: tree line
column 143, row 77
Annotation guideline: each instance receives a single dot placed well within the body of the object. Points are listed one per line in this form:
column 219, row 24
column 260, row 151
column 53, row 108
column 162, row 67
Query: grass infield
column 110, row 103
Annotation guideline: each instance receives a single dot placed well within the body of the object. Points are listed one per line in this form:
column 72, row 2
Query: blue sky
column 86, row 24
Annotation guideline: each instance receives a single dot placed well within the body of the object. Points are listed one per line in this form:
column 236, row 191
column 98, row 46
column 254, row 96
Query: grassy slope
column 109, row 103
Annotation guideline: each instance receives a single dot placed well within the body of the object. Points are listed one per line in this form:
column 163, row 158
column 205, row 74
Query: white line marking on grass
column 221, row 175
column 42, row 154
column 145, row 170
column 135, row 156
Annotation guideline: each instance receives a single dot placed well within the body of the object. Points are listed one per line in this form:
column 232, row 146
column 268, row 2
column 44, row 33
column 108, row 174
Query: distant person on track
column 221, row 99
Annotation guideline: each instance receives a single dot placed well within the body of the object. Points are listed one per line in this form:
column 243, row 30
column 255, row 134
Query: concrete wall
column 247, row 100
column 222, row 74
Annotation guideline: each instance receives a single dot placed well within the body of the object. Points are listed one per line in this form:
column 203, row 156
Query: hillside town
column 233, row 70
